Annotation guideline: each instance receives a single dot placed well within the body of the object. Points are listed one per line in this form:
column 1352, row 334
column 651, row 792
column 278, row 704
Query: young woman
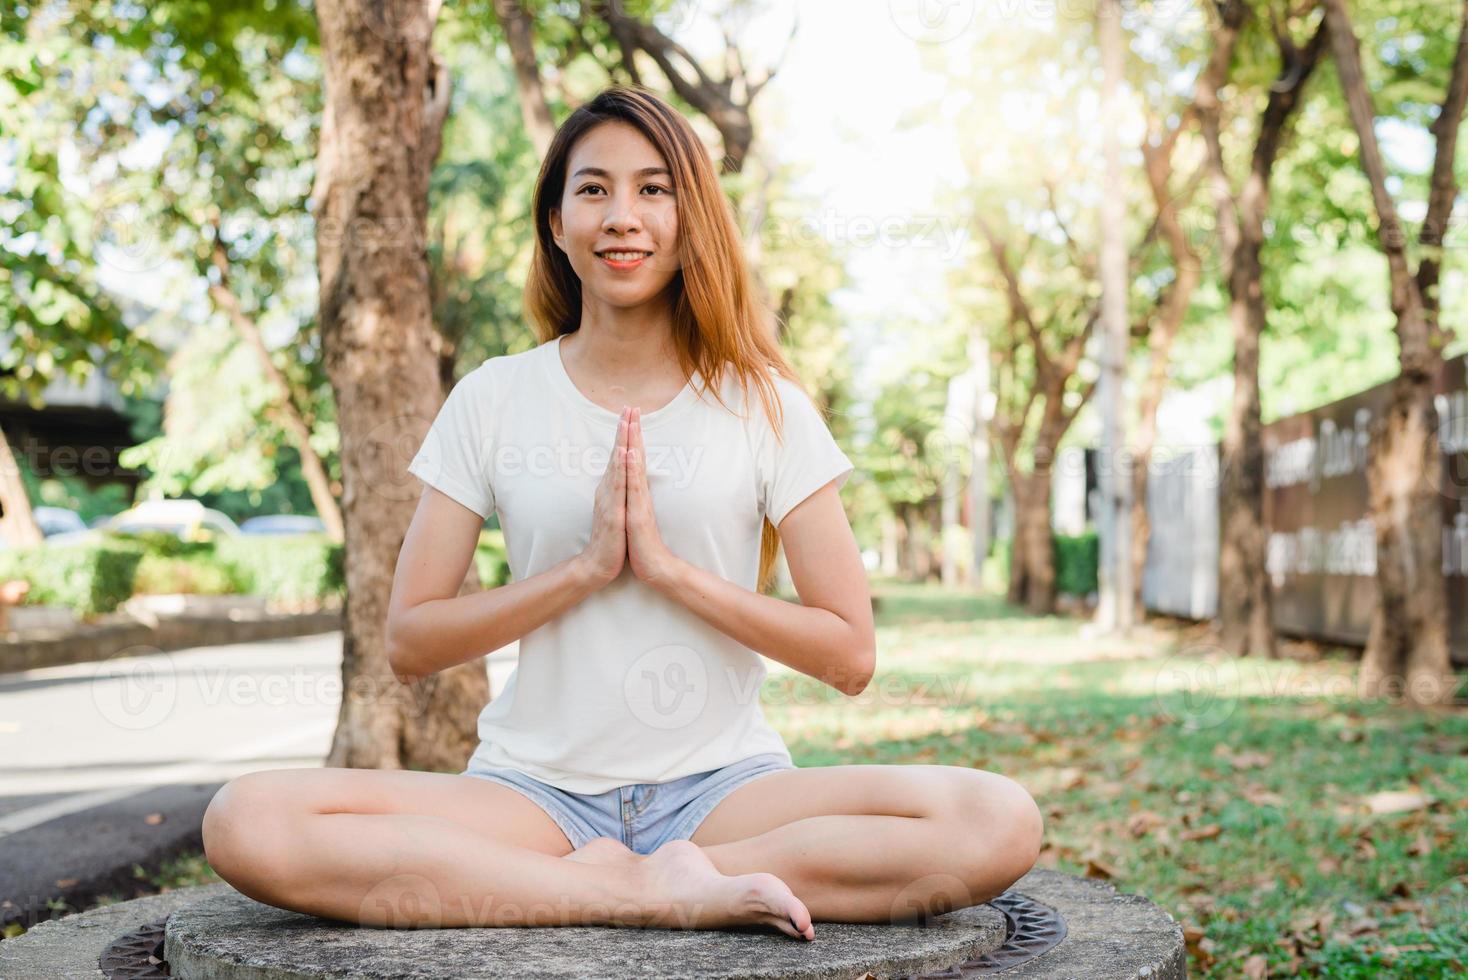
column 645, row 460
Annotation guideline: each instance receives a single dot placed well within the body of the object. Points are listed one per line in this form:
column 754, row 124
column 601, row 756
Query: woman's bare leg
column 408, row 870
column 968, row 835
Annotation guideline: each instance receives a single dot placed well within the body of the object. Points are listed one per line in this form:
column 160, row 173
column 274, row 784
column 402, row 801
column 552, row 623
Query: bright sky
column 836, row 108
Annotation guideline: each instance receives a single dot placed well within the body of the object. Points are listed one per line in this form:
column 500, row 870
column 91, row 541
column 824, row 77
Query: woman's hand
column 650, row 558
column 606, row 552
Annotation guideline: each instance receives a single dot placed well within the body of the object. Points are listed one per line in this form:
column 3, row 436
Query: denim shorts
column 643, row 816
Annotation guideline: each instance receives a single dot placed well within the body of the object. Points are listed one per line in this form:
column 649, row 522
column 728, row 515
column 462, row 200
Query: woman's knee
column 244, row 829
column 1003, row 825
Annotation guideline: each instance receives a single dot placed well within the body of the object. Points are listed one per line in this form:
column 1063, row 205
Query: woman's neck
column 625, row 350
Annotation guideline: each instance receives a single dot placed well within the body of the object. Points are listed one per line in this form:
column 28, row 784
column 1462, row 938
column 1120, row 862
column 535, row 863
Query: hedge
column 1077, row 562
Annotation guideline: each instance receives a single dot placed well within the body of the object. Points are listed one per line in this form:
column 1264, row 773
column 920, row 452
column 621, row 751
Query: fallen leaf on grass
column 1259, row 796
column 1201, row 833
column 1256, row 967
column 1099, row 869
column 1398, row 801
column 1139, row 824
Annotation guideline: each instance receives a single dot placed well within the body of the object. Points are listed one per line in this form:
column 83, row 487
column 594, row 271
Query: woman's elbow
column 860, row 674
column 399, row 656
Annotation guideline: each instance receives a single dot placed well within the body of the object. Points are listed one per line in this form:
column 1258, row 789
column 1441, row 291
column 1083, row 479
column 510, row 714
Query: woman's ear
column 555, row 227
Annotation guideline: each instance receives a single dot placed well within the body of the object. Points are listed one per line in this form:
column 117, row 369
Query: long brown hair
column 719, row 322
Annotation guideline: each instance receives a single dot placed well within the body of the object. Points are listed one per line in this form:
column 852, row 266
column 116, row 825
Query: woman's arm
column 430, row 627
column 831, row 636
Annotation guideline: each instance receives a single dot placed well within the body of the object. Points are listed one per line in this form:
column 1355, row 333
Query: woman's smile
column 623, row 261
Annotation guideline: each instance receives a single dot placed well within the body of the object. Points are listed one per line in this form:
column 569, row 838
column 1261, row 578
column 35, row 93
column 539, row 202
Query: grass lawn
column 1291, row 828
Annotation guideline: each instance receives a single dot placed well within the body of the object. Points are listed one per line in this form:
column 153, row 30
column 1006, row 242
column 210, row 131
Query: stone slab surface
column 1109, row 935
column 70, row 947
column 232, row 936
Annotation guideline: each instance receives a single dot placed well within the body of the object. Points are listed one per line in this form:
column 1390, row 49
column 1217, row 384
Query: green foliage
column 1077, row 562
column 1077, row 559
column 1231, row 792
column 86, row 577
column 491, row 559
column 291, row 569
column 194, row 575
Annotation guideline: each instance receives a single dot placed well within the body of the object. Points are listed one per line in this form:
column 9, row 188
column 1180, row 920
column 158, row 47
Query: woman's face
column 619, row 197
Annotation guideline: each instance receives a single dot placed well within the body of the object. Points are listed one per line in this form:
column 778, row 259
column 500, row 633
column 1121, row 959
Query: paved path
column 109, row 764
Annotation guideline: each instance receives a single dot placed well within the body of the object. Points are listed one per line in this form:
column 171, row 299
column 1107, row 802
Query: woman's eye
column 650, row 187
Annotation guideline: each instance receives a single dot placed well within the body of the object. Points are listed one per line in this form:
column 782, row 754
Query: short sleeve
column 454, row 455
column 806, row 460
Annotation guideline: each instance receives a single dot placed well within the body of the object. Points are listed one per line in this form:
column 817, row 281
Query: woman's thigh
column 489, row 808
column 916, row 790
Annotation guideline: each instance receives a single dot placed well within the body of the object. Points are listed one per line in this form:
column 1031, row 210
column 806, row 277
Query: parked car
column 189, row 520
column 58, row 520
column 58, row 525
column 282, row 524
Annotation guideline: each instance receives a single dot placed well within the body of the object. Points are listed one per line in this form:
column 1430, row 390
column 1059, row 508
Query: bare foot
column 605, row 850
column 684, row 890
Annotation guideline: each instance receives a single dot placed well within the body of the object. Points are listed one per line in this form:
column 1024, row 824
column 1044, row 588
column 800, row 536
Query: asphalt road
column 110, row 764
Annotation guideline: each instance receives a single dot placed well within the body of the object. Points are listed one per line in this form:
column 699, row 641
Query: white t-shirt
column 628, row 685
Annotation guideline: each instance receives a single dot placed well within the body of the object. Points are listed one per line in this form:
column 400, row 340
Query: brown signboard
column 1322, row 544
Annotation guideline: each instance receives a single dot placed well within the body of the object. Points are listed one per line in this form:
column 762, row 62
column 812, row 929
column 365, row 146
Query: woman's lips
column 622, row 266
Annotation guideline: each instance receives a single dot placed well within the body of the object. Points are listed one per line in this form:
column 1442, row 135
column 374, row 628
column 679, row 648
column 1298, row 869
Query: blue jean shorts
column 643, row 816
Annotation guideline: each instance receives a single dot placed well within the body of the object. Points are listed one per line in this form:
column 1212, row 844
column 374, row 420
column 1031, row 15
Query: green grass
column 1231, row 792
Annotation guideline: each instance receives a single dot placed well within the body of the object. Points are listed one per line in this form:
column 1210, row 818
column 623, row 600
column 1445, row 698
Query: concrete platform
column 214, row 931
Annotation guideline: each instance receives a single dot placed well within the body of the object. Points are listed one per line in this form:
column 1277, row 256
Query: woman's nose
column 622, row 214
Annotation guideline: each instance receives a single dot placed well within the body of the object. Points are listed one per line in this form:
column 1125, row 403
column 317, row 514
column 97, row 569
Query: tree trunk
column 1245, row 616
column 386, row 99
column 533, row 106
column 17, row 520
column 890, row 566
column 1407, row 646
column 1032, row 557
